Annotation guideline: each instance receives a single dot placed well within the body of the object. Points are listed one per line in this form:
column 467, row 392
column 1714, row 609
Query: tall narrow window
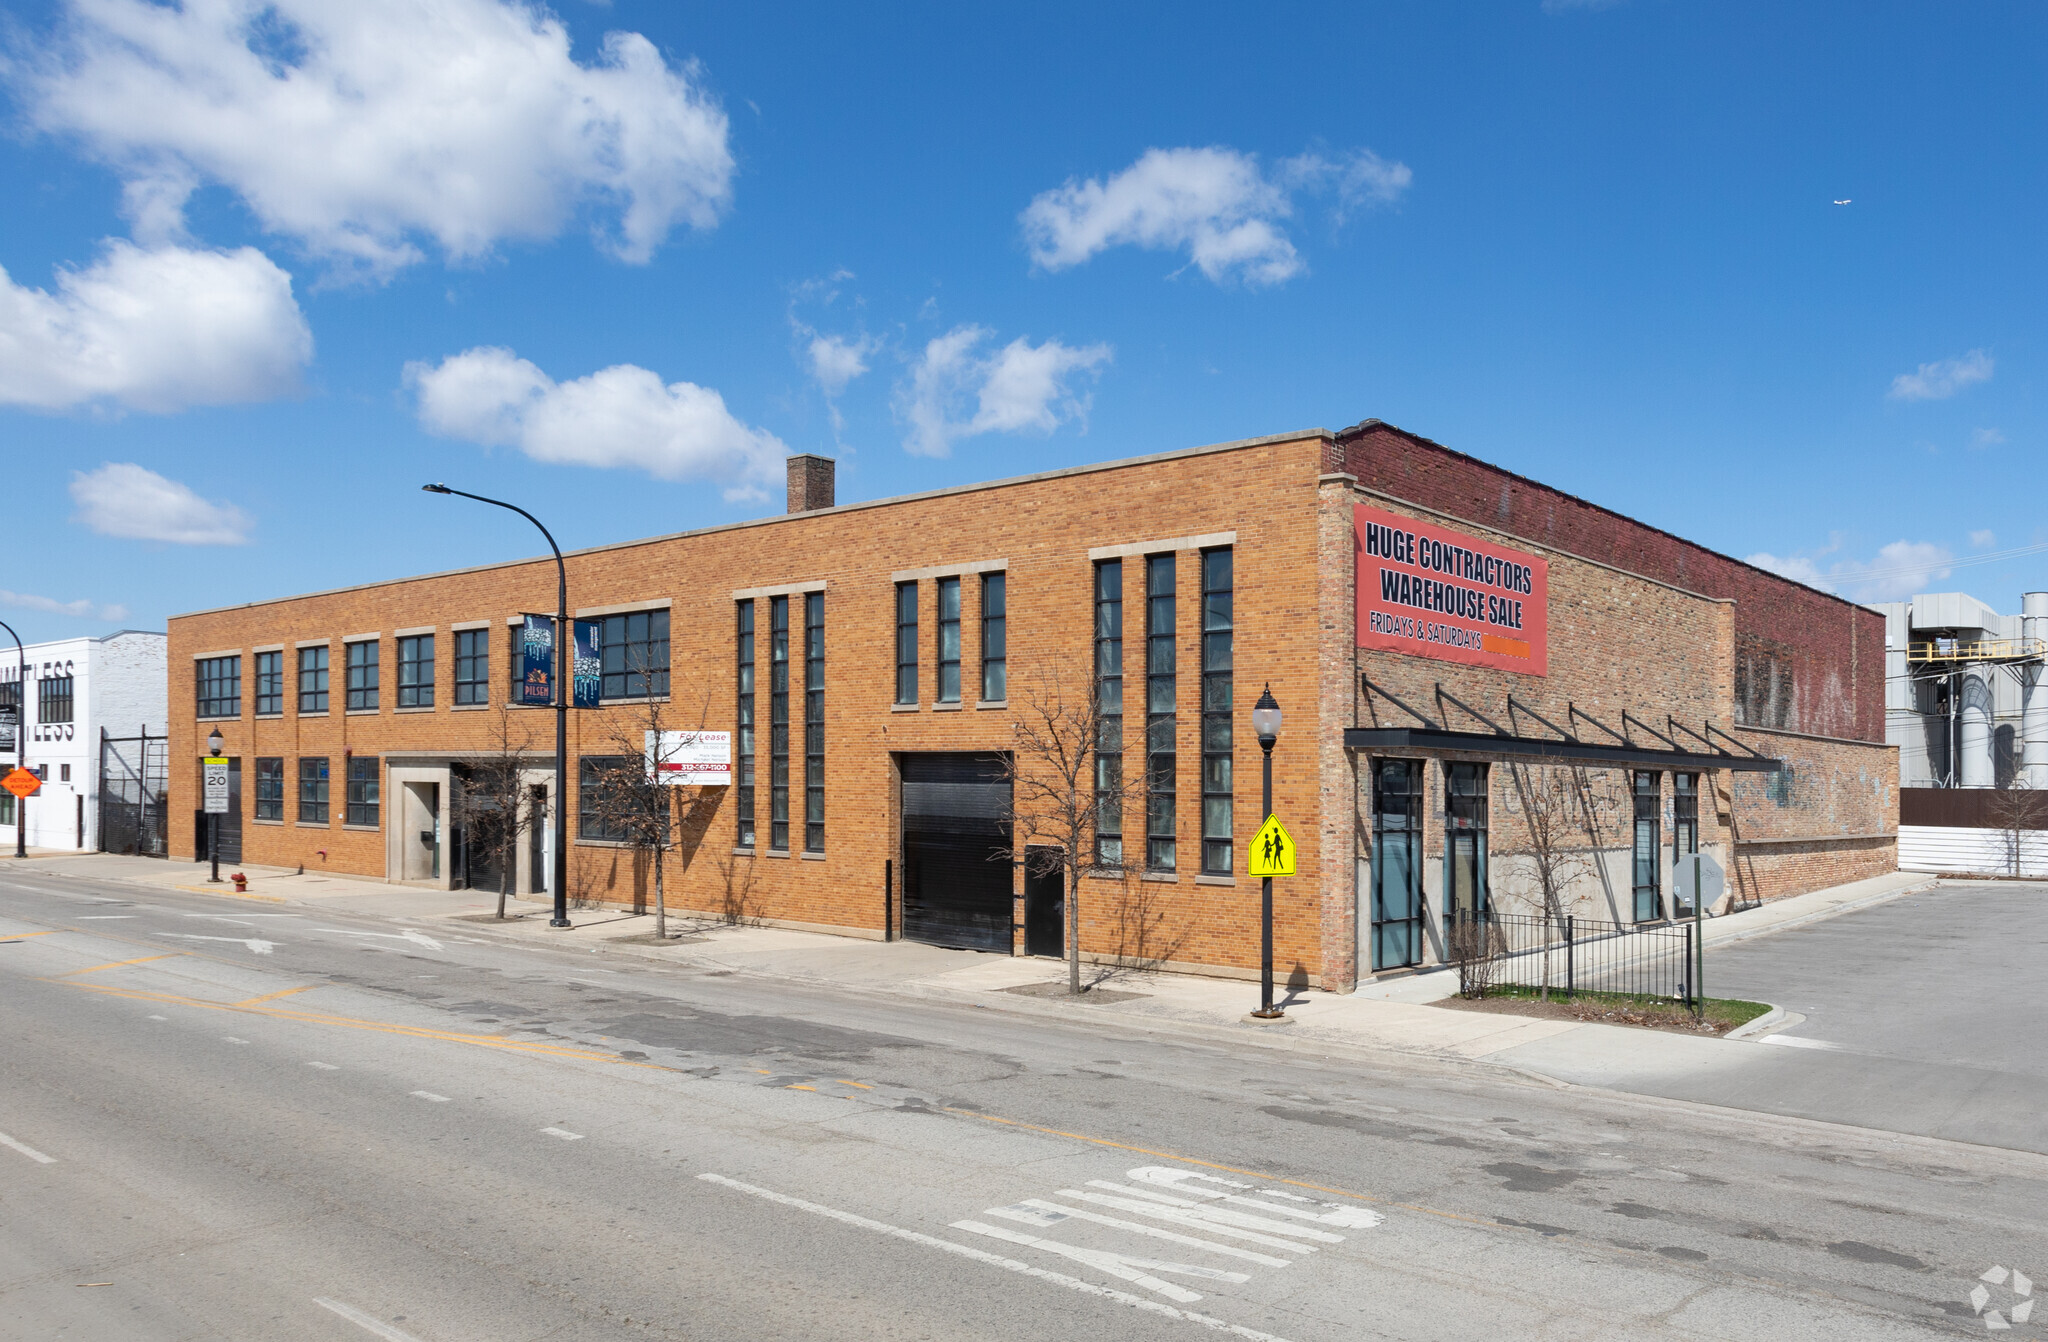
column 1161, row 689
column 363, row 671
column 743, row 763
column 472, row 666
column 778, row 724
column 313, row 790
column 219, row 682
column 1217, row 652
column 814, row 723
column 634, row 654
column 1396, row 863
column 1685, row 815
column 416, row 671
column 1109, row 700
column 949, row 641
column 995, row 637
column 1648, row 897
column 270, row 784
column 906, row 642
column 269, row 685
column 1465, row 840
column 362, row 805
column 313, row 679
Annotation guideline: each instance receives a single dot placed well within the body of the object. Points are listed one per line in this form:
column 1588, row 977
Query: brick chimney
column 810, row 482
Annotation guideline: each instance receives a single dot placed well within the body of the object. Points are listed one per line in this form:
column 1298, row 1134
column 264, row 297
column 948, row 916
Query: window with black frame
column 416, row 671
column 1218, row 633
column 269, row 669
column 472, row 666
column 633, row 650
column 1396, row 863
column 1465, row 822
column 949, row 642
column 363, row 672
column 362, row 804
column 995, row 637
column 743, row 743
column 1647, row 792
column 906, row 642
column 1109, row 698
column 313, row 679
column 313, row 794
column 814, row 723
column 1685, row 816
column 778, row 724
column 1162, row 688
column 269, row 787
column 607, row 787
column 218, row 679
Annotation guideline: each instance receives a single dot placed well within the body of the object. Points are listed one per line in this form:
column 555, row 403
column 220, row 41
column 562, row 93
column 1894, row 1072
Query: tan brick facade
column 1618, row 641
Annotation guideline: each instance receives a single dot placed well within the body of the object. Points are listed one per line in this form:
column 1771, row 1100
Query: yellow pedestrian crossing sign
column 1273, row 849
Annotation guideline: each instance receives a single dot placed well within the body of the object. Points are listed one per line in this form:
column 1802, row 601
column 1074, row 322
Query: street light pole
column 563, row 637
column 1266, row 726
column 214, row 745
column 20, row 738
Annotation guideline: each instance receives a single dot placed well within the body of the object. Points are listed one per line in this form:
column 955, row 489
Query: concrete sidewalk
column 1390, row 1013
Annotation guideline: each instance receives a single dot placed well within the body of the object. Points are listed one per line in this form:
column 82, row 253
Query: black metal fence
column 134, row 794
column 1575, row 955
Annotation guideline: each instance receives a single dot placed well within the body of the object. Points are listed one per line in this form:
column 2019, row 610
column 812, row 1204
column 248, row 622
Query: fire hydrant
column 241, row 883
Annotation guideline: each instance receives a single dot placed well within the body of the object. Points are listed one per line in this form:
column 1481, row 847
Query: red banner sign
column 1426, row 590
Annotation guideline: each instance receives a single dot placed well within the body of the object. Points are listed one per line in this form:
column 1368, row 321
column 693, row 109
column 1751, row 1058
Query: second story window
column 416, row 671
column 906, row 642
column 472, row 666
column 949, row 641
column 1218, row 630
column 634, row 650
column 313, row 679
column 220, row 690
column 743, row 742
column 269, row 686
column 814, row 723
column 995, row 641
column 1109, row 700
column 1161, row 724
column 778, row 723
column 363, row 671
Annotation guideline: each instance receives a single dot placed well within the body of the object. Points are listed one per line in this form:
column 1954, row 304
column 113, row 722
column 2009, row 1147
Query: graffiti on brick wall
column 1764, row 689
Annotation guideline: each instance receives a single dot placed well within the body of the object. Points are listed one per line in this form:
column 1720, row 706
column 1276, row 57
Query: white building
column 81, row 691
column 1966, row 702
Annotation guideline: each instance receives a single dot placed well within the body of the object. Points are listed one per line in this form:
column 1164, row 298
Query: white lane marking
column 256, row 944
column 28, row 1151
column 564, row 1134
column 159, row 1018
column 1118, row 1265
column 430, row 1095
column 232, row 1040
column 1225, row 1215
column 1796, row 1041
column 1197, row 1219
column 1039, row 1212
column 324, row 1066
column 103, row 917
column 995, row 1260
column 365, row 1321
column 1337, row 1213
column 415, row 937
column 242, row 919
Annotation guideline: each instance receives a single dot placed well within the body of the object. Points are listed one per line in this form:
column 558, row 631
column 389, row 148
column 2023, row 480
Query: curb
column 1763, row 1024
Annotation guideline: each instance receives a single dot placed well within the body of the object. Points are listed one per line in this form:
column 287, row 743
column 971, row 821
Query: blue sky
column 270, row 267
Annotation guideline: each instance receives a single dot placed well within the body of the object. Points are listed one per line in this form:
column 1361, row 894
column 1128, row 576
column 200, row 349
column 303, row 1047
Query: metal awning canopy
column 1562, row 746
column 1550, row 751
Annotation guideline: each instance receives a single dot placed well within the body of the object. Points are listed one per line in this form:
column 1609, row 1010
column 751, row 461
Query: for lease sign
column 1429, row 591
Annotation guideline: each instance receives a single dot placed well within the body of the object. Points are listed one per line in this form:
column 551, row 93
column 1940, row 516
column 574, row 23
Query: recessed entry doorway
column 957, row 881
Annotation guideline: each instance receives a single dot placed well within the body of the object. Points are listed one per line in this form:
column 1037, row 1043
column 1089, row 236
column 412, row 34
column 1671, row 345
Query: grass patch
column 1722, row 1014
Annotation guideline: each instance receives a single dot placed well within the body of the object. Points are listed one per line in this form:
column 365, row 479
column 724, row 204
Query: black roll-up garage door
column 956, row 875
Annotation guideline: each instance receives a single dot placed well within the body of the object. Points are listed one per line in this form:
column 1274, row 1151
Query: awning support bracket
column 1573, row 713
column 1628, row 717
column 1442, row 695
column 1396, row 700
column 1513, row 706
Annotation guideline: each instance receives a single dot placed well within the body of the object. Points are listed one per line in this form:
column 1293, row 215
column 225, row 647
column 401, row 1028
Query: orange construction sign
column 21, row 782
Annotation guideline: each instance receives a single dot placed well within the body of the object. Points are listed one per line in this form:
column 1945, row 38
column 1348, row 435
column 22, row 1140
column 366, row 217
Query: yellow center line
column 116, row 964
column 24, row 936
column 799, row 1087
column 862, row 1085
column 281, row 992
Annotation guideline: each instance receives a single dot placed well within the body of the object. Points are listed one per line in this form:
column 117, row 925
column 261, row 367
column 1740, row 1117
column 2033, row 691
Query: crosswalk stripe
column 1037, row 1211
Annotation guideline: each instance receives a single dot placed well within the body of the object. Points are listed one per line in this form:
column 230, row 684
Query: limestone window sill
column 1215, row 880
column 991, row 703
column 953, row 707
column 428, row 708
column 812, row 857
column 903, row 708
column 1164, row 877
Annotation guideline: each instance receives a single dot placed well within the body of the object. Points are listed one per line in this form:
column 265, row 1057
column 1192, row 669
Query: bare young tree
column 492, row 804
column 626, row 803
column 1068, row 789
column 1551, row 808
column 2020, row 814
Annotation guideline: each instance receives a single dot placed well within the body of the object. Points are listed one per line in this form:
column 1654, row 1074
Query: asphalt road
column 223, row 1120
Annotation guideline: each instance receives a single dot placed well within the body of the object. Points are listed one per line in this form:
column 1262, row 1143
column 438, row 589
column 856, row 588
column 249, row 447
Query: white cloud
column 155, row 329
column 1986, row 438
column 89, row 610
column 1020, row 386
column 358, row 128
column 1215, row 203
column 1943, row 378
column 1899, row 570
column 621, row 416
column 126, row 500
column 837, row 361
column 1983, row 540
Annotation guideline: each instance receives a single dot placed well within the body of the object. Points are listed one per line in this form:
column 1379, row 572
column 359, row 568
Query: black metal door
column 956, row 870
column 1045, row 905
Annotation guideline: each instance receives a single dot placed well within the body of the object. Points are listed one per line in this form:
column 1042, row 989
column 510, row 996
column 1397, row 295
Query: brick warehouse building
column 1443, row 636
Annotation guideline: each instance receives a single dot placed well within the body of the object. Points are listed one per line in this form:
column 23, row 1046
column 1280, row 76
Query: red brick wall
column 1804, row 661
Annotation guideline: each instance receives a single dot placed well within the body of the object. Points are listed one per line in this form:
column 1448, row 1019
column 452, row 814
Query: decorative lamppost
column 564, row 635
column 214, row 745
column 1266, row 726
column 20, row 738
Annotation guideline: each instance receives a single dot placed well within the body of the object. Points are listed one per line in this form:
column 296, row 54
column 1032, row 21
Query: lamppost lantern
column 214, row 743
column 1266, row 719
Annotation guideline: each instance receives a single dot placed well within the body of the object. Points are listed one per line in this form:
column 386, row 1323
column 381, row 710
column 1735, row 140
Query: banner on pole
column 537, row 660
column 585, row 665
